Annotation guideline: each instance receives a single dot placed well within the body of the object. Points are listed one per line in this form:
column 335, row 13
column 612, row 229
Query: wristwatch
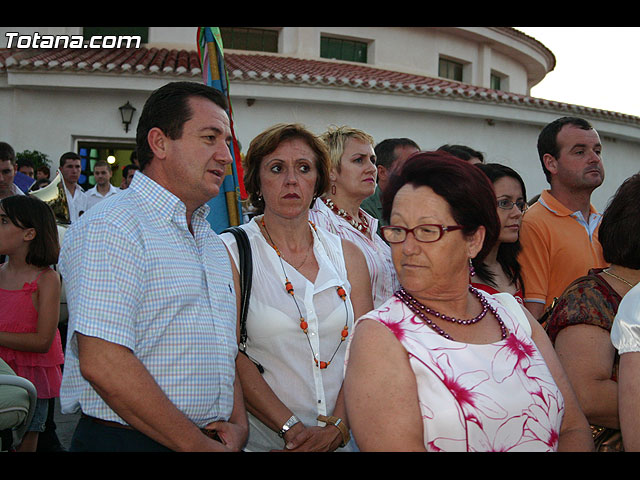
column 340, row 425
column 288, row 424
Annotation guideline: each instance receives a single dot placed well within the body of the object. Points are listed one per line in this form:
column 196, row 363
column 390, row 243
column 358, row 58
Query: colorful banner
column 226, row 209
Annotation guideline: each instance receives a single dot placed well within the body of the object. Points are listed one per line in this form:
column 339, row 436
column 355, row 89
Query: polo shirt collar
column 553, row 204
column 162, row 201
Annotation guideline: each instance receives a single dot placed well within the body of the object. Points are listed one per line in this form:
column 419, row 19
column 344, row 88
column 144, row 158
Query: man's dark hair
column 125, row 170
column 385, row 150
column 101, row 163
column 168, row 109
column 7, row 153
column 68, row 156
column 548, row 138
column 25, row 162
column 462, row 152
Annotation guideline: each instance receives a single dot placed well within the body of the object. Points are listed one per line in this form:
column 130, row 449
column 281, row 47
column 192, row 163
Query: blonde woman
column 352, row 178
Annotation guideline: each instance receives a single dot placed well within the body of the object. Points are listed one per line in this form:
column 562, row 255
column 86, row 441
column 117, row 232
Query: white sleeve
column 625, row 332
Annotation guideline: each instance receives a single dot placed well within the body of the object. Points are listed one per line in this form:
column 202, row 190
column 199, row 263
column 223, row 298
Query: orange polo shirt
column 558, row 246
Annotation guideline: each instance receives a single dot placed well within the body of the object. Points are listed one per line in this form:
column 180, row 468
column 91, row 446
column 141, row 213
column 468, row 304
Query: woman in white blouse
column 308, row 285
column 352, row 178
column 625, row 335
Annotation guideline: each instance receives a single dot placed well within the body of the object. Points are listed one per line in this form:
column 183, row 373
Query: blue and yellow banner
column 226, row 209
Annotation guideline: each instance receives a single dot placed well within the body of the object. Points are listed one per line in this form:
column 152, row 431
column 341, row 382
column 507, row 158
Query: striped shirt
column 135, row 276
column 377, row 253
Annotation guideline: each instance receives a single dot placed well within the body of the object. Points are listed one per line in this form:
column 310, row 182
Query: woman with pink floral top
column 462, row 369
column 352, row 179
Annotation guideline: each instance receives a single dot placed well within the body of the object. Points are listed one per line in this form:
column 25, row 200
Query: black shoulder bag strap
column 246, row 272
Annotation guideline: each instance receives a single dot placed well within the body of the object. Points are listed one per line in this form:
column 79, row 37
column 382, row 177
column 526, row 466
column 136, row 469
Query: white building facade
column 436, row 85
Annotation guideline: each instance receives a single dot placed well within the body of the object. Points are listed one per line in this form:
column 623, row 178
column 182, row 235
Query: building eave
column 81, row 68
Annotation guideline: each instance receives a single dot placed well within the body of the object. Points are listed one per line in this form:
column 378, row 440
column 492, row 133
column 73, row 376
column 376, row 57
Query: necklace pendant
column 304, row 325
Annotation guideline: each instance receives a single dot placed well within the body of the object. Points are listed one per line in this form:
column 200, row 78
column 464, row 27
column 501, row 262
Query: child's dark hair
column 30, row 212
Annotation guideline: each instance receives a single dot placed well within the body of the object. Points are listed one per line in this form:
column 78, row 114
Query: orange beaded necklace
column 303, row 324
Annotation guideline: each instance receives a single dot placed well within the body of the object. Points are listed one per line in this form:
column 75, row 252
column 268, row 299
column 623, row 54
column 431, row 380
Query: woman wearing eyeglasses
column 461, row 371
column 500, row 270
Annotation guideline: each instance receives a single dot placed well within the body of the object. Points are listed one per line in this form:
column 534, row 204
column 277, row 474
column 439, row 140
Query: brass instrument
column 55, row 196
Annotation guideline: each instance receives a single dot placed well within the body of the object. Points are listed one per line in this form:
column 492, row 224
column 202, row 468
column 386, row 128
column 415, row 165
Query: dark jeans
column 91, row 436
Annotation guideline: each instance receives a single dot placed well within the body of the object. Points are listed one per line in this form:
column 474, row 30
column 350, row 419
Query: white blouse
column 625, row 331
column 274, row 336
column 384, row 281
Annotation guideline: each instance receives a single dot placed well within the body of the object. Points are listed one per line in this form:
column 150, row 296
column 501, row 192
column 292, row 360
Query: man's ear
column 550, row 162
column 383, row 173
column 157, row 142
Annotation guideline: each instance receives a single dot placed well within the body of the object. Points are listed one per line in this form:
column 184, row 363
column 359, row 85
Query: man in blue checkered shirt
column 150, row 360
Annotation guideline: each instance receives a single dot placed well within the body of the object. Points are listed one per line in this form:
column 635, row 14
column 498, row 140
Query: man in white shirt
column 71, row 167
column 103, row 188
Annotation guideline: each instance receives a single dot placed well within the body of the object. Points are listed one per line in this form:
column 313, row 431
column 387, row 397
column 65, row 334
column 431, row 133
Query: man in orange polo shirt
column 559, row 232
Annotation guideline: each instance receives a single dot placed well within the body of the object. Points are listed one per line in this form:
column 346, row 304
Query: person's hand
column 232, row 435
column 312, row 439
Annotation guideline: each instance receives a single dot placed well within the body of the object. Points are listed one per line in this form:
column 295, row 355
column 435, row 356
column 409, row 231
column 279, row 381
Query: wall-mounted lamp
column 126, row 112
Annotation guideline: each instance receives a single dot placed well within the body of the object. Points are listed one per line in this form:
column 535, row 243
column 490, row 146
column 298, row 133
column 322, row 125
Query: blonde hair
column 335, row 139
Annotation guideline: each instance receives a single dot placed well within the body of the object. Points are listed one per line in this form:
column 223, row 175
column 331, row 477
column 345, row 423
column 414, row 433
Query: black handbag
column 246, row 271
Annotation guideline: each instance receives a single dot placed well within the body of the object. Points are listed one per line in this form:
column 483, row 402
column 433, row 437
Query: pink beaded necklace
column 422, row 310
column 303, row 323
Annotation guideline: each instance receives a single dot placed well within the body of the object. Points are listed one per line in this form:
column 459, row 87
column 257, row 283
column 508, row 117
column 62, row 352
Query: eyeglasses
column 426, row 233
column 508, row 205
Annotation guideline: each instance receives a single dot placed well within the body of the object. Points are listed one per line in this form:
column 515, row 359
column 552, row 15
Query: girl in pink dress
column 30, row 298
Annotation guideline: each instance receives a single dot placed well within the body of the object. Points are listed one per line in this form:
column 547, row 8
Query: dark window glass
column 495, row 82
column 342, row 49
column 450, row 69
column 256, row 39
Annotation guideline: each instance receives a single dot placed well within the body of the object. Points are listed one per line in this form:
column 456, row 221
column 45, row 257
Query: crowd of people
column 378, row 297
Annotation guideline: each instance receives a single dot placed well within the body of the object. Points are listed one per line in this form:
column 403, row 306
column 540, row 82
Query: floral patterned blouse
column 590, row 300
column 479, row 397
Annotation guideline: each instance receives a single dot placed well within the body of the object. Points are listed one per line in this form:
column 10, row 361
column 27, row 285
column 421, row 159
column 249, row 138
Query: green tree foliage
column 38, row 159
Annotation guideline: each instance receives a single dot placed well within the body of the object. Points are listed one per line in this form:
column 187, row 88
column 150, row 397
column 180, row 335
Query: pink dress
column 492, row 291
column 19, row 315
column 479, row 398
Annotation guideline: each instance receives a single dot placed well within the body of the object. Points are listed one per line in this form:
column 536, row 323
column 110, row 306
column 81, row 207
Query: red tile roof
column 271, row 68
column 120, row 60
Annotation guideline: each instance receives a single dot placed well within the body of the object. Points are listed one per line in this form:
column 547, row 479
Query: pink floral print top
column 480, row 398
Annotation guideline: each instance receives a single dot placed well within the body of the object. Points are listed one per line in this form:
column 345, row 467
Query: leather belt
column 209, row 433
column 106, row 423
